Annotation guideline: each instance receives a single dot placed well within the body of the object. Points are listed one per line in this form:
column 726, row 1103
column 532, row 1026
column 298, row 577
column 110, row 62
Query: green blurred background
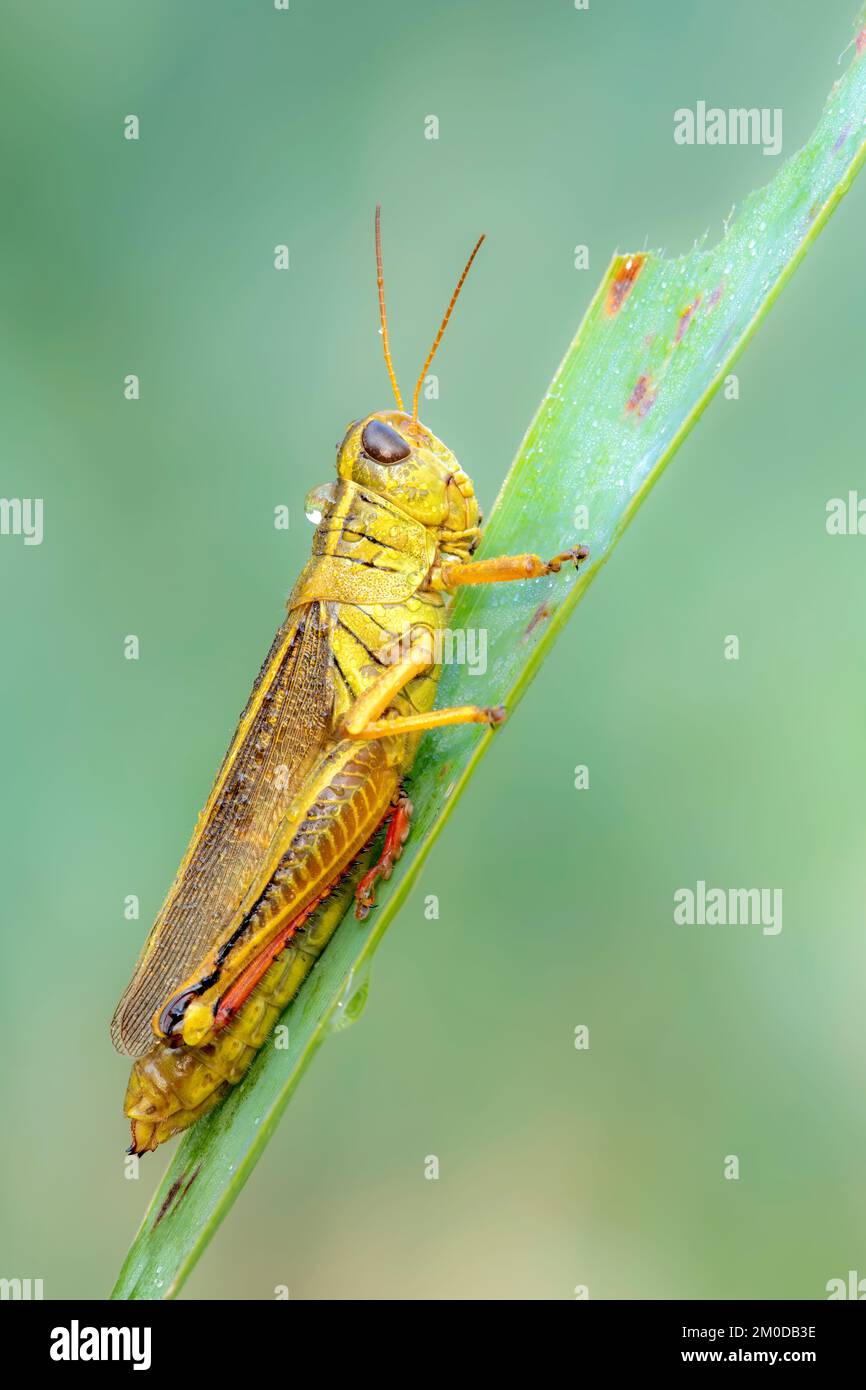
column 558, row 1167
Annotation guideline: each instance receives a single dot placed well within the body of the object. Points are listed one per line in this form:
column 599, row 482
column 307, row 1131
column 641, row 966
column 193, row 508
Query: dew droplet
column 317, row 501
column 352, row 1000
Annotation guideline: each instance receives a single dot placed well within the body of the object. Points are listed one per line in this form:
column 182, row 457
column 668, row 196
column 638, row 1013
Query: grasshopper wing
column 280, row 734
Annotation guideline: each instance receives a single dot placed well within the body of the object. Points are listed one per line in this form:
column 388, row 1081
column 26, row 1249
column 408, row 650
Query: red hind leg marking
column 399, row 819
column 238, row 993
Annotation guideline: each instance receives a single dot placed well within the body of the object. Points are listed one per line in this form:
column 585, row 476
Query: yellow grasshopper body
column 315, row 767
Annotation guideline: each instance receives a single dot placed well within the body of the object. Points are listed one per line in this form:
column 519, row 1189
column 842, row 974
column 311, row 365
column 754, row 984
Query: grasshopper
column 317, row 763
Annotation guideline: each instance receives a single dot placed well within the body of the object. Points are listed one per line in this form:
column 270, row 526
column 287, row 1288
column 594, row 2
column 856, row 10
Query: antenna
column 432, row 353
column 383, row 317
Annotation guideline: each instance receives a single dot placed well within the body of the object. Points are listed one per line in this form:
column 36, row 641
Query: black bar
column 169, row 1339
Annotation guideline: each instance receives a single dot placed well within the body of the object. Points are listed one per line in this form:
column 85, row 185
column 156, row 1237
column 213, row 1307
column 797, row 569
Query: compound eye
column 382, row 444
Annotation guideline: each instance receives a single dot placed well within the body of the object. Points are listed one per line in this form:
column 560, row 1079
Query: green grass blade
column 657, row 340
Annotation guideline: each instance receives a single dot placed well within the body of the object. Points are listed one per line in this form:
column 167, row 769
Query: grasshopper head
column 393, row 455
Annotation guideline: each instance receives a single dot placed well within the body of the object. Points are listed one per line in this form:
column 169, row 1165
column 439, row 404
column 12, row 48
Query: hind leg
column 398, row 830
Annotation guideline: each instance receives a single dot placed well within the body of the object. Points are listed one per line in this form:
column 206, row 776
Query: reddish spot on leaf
column 193, row 1177
column 716, row 295
column 541, row 614
column 860, row 43
column 685, row 319
column 169, row 1198
column 173, row 1193
column 627, row 270
column 642, row 397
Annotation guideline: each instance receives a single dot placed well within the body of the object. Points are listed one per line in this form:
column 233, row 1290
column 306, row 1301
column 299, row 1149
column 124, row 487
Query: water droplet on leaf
column 352, row 1000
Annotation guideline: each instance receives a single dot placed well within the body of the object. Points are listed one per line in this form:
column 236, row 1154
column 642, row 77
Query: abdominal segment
column 175, row 1083
column 172, row 1087
column 348, row 794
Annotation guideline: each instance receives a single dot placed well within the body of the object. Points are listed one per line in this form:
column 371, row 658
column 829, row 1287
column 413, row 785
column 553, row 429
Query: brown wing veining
column 284, row 726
